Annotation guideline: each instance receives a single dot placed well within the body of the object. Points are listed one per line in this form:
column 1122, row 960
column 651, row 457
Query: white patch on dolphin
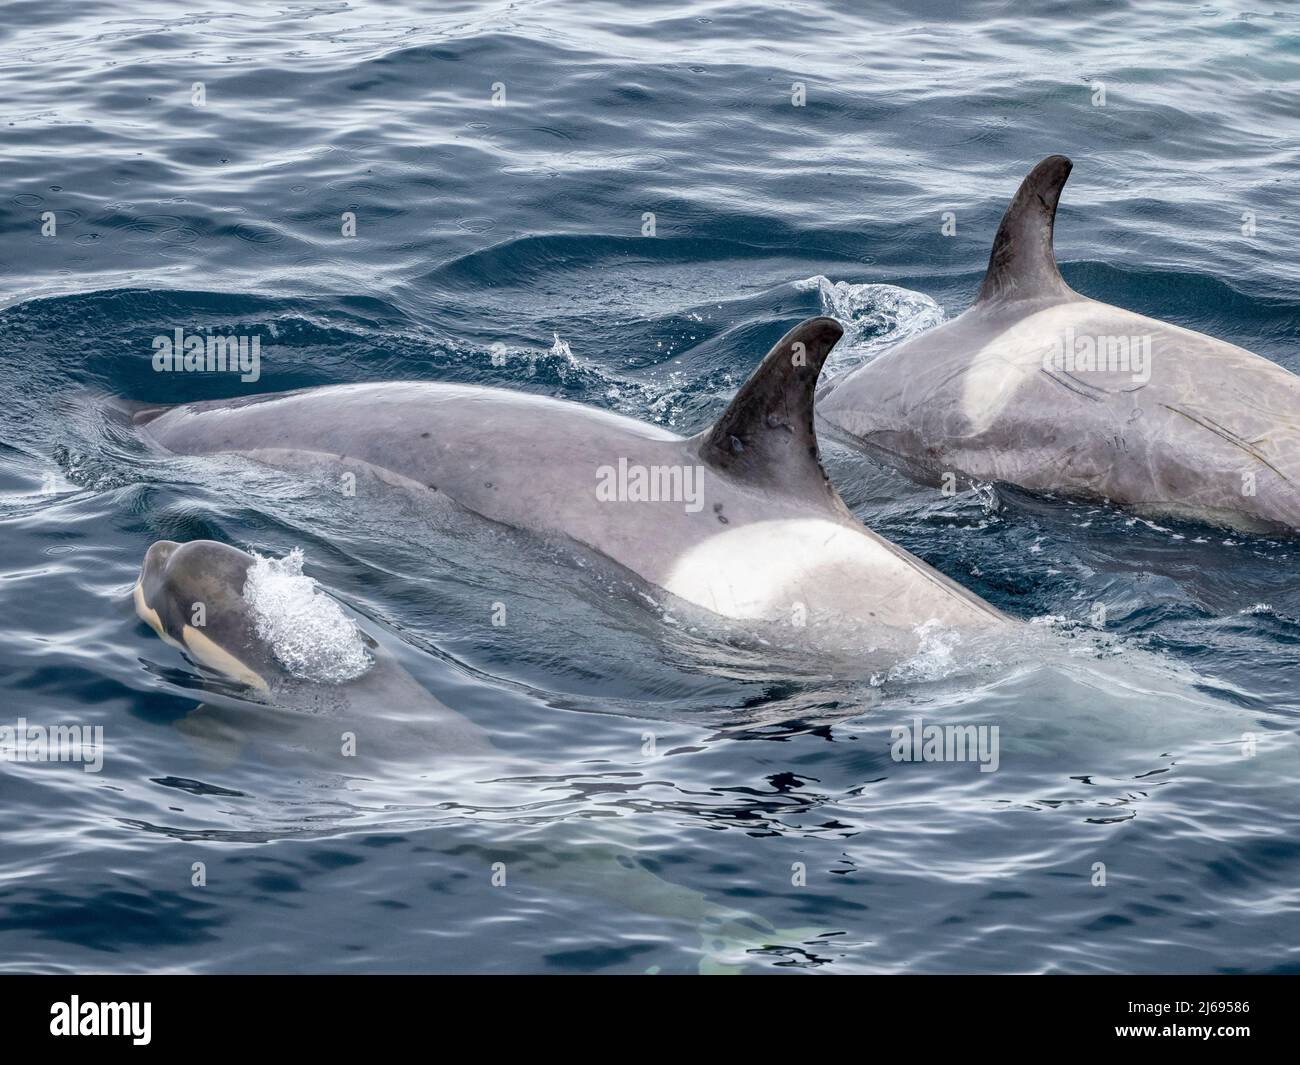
column 719, row 573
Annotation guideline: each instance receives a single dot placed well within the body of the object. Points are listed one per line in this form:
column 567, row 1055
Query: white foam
column 560, row 349
column 875, row 317
column 307, row 631
column 934, row 658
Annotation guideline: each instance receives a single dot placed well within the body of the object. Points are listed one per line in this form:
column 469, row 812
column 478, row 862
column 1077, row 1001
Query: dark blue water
column 769, row 829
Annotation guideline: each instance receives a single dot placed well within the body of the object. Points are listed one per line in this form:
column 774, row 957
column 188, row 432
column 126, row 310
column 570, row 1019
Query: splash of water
column 934, row 658
column 307, row 631
column 874, row 317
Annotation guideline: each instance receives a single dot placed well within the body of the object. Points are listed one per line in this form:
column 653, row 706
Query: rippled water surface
column 658, row 795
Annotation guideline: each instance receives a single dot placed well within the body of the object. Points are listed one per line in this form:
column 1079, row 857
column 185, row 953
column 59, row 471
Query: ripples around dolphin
column 663, row 794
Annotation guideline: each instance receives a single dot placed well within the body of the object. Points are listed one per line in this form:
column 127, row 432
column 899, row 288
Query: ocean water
column 658, row 797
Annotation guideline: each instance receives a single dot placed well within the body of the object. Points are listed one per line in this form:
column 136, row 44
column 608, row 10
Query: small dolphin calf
column 1040, row 387
column 195, row 596
column 740, row 520
column 181, row 584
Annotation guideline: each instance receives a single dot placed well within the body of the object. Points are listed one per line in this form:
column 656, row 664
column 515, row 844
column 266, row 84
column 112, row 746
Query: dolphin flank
column 1040, row 387
column 740, row 520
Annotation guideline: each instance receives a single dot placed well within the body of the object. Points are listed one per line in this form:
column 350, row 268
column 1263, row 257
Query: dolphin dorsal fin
column 1023, row 264
column 766, row 435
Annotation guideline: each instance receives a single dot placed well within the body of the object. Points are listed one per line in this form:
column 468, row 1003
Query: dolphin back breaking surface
column 1040, row 387
column 739, row 520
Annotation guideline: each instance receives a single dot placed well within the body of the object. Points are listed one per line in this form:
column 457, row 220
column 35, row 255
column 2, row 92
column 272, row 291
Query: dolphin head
column 192, row 595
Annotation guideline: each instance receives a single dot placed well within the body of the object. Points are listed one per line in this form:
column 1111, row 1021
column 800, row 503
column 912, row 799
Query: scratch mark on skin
column 1071, row 387
column 1229, row 432
column 1068, row 380
column 1231, row 438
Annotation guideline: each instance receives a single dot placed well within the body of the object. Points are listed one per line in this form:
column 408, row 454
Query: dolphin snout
column 151, row 572
column 156, row 558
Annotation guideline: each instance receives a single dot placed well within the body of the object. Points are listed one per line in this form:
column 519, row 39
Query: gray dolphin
column 1040, row 387
column 193, row 596
column 740, row 520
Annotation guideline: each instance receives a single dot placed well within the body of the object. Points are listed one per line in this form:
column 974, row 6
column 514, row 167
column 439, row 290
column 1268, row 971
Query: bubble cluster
column 307, row 631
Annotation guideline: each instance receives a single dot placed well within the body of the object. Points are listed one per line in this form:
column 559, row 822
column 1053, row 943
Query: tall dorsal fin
column 766, row 435
column 1023, row 264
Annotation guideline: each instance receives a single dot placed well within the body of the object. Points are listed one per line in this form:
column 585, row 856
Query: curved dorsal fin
column 1023, row 264
column 766, row 435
